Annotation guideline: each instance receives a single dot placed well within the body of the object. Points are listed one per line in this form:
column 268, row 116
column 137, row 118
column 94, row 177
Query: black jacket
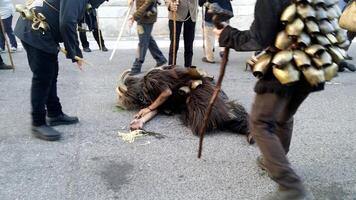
column 262, row 34
column 62, row 17
column 225, row 4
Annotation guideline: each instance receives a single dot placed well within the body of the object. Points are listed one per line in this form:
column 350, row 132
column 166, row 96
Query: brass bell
column 305, row 11
column 282, row 58
column 330, row 71
column 326, row 27
column 345, row 44
column 335, row 24
column 331, row 13
column 341, row 36
column 287, row 75
column 301, row 59
column 323, row 60
column 312, row 26
column 335, row 53
column 289, row 13
column 314, row 76
column 328, row 3
column 322, row 40
column 320, row 13
column 304, row 40
column 283, row 41
column 261, row 66
column 331, row 38
column 295, row 28
column 317, row 2
column 196, row 83
column 337, row 10
column 315, row 49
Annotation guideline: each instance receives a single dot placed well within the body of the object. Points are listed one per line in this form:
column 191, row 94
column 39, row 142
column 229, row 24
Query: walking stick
column 7, row 44
column 121, row 31
column 174, row 36
column 213, row 99
column 203, row 25
column 220, row 15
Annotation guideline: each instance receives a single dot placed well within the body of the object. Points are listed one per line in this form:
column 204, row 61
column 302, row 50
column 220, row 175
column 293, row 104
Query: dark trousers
column 272, row 126
column 10, row 33
column 1, row 61
column 44, row 67
column 351, row 35
column 146, row 42
column 188, row 36
column 84, row 40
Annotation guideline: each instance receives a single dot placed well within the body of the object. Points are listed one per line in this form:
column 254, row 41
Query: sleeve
column 262, row 31
column 201, row 2
column 69, row 15
column 140, row 12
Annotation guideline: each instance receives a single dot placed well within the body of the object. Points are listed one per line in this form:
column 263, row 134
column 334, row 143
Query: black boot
column 62, row 119
column 104, row 49
column 349, row 66
column 4, row 66
column 45, row 132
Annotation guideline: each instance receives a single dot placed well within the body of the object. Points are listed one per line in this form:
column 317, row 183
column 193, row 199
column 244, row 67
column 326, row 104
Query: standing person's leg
column 99, row 39
column 265, row 110
column 84, row 41
column 155, row 51
column 351, row 35
column 209, row 42
column 189, row 35
column 43, row 66
column 178, row 31
column 285, row 120
column 10, row 32
column 144, row 35
column 2, row 41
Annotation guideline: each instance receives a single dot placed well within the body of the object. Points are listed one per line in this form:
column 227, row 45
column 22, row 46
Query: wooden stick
column 174, row 59
column 213, row 99
column 7, row 44
column 99, row 31
column 121, row 31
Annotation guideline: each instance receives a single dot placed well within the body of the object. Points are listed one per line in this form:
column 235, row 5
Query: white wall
column 111, row 17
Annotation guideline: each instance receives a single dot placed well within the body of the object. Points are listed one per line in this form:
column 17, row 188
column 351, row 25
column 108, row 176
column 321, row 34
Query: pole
column 7, row 45
column 121, row 31
column 174, row 37
column 213, row 99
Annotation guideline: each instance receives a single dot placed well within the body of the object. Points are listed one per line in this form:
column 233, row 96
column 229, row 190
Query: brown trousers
column 272, row 126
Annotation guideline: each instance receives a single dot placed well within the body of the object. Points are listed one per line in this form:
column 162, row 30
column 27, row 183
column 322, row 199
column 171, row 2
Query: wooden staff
column 7, row 45
column 213, row 99
column 174, row 35
column 99, row 31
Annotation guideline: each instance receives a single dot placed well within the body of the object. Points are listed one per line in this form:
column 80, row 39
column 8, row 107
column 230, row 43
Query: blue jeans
column 10, row 33
column 146, row 41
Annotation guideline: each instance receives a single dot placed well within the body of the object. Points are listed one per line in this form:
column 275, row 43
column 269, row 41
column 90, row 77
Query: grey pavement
column 92, row 162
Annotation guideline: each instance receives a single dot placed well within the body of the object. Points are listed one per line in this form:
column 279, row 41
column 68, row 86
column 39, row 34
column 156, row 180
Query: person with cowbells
column 292, row 65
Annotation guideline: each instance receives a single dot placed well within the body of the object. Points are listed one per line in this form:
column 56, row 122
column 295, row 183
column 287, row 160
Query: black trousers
column 271, row 124
column 84, row 40
column 1, row 61
column 44, row 99
column 188, row 36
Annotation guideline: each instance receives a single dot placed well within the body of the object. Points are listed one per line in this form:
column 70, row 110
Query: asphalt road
column 92, row 162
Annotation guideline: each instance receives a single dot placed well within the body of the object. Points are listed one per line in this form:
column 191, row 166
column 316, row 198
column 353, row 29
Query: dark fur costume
column 226, row 115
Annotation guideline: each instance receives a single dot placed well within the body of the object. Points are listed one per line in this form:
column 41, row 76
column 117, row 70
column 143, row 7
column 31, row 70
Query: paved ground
column 91, row 162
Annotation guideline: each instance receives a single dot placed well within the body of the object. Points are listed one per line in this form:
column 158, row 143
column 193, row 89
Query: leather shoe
column 87, row 49
column 45, row 132
column 4, row 66
column 62, row 119
column 204, row 59
column 344, row 64
column 105, row 49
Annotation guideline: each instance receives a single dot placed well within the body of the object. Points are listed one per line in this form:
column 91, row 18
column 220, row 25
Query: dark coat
column 262, row 35
column 225, row 4
column 62, row 17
